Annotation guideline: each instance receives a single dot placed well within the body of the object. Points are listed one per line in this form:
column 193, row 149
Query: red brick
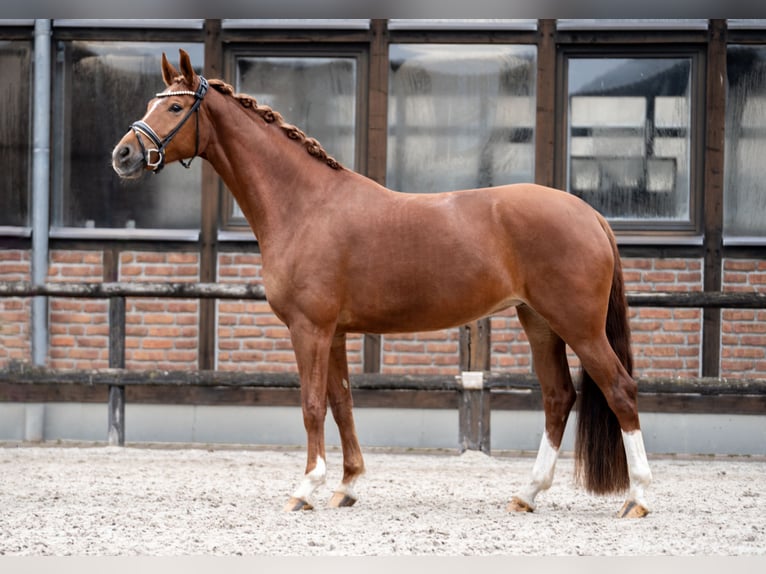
column 739, row 265
column 158, row 319
column 149, row 343
column 182, row 258
column 149, row 257
column 679, row 264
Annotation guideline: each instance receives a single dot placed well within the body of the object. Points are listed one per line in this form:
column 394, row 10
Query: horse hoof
column 518, row 505
column 341, row 500
column 632, row 509
column 297, row 504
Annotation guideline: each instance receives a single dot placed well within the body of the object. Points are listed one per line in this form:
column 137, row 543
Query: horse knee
column 314, row 414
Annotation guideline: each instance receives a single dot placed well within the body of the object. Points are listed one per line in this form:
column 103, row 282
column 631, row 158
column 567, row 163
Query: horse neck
column 273, row 178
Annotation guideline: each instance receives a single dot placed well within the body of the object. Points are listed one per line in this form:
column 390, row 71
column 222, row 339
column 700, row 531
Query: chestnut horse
column 342, row 254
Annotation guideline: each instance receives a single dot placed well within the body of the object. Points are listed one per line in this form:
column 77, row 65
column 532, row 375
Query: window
column 460, row 116
column 102, row 87
column 745, row 169
column 318, row 92
column 629, row 144
column 15, row 133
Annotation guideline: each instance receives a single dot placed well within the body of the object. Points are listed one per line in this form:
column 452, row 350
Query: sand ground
column 109, row 501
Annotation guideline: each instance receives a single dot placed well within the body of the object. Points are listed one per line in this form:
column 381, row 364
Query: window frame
column 118, row 31
column 635, row 230
column 742, row 33
column 23, row 31
column 231, row 228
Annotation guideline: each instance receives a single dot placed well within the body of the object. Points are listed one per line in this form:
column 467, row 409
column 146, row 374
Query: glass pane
column 745, row 169
column 103, row 87
column 629, row 142
column 317, row 94
column 15, row 133
column 460, row 116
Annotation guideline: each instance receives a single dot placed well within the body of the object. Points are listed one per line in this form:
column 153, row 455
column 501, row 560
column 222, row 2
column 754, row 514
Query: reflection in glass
column 102, row 87
column 317, row 94
column 460, row 116
column 745, row 154
column 629, row 143
column 15, row 133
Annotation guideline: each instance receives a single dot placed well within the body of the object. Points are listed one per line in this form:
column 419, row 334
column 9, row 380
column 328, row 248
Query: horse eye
column 175, row 108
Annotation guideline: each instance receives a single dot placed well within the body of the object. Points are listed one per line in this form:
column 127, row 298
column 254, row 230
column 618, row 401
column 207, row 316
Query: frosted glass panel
column 745, row 170
column 15, row 132
column 103, row 87
column 460, row 116
column 317, row 94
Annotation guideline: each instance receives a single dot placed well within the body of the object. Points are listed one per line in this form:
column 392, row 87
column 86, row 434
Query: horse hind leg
column 606, row 380
column 341, row 403
column 550, row 362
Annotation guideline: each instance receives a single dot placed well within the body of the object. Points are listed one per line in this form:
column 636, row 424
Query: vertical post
column 474, row 407
column 545, row 121
column 116, row 432
column 714, row 125
column 474, row 413
column 377, row 134
column 208, row 243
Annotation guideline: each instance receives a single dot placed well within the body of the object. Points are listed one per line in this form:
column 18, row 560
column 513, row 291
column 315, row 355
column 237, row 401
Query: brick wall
column 15, row 312
column 666, row 342
column 510, row 347
column 160, row 333
column 164, row 333
column 430, row 353
column 743, row 331
column 249, row 336
column 78, row 328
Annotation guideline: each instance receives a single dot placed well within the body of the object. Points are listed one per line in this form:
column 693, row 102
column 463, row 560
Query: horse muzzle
column 128, row 161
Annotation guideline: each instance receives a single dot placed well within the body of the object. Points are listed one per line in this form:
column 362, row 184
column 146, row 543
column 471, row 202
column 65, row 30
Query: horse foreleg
column 341, row 403
column 549, row 358
column 312, row 350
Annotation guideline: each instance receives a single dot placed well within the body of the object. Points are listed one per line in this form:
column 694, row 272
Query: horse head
column 164, row 134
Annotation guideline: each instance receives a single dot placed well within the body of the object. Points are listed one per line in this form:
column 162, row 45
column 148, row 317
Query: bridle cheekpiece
column 142, row 128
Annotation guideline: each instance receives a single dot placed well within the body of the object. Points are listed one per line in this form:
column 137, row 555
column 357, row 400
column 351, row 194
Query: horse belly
column 424, row 305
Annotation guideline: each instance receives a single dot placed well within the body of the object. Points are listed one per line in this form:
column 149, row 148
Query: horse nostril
column 124, row 152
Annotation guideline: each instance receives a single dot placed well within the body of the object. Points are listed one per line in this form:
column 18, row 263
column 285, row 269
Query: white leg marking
column 311, row 481
column 348, row 489
column 638, row 465
column 542, row 471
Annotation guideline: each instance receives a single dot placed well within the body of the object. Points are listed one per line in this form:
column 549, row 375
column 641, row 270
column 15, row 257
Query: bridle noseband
column 142, row 128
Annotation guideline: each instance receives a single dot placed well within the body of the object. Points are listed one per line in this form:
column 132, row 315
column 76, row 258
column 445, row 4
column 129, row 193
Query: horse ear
column 186, row 68
column 169, row 73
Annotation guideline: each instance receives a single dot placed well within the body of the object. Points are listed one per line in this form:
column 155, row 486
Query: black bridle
column 142, row 128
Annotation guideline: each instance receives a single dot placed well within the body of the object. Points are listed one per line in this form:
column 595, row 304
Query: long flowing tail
column 600, row 463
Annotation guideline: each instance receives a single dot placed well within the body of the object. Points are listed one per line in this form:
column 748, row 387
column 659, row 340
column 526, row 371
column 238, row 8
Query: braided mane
column 313, row 147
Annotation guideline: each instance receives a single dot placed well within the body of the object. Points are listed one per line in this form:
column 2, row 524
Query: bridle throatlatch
column 142, row 128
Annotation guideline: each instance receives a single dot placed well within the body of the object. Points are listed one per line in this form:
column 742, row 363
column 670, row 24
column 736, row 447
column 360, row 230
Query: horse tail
column 600, row 462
